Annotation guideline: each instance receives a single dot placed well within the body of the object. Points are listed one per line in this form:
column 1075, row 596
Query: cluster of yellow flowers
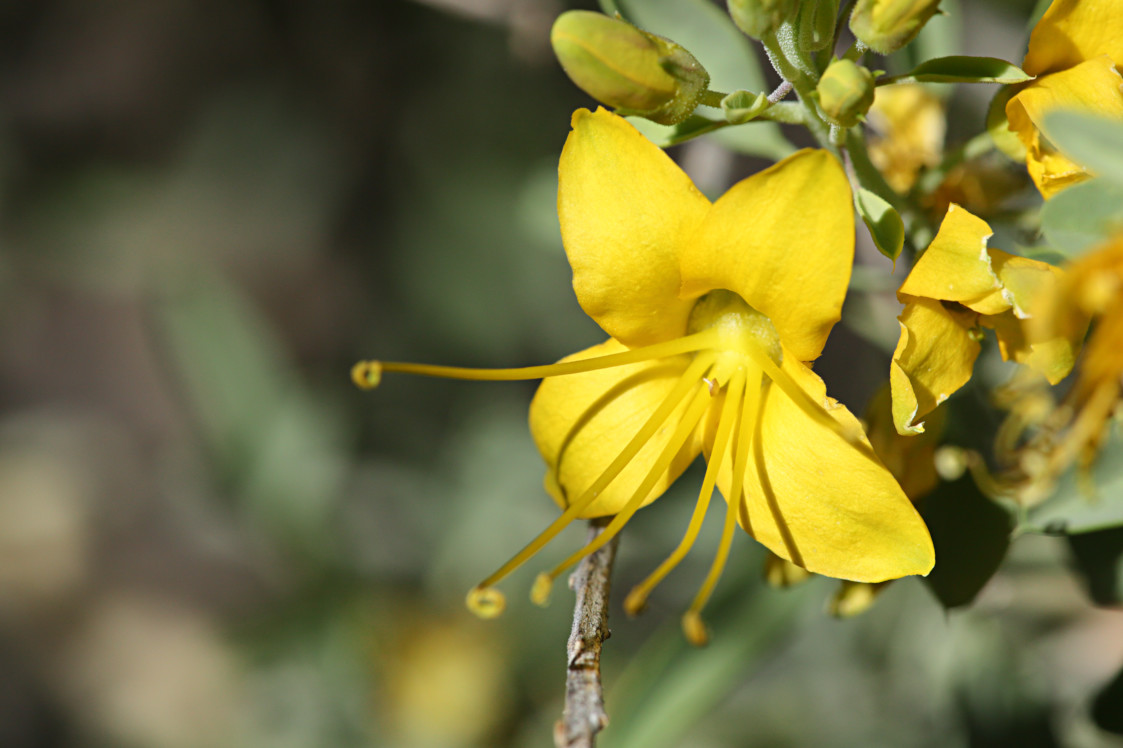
column 715, row 312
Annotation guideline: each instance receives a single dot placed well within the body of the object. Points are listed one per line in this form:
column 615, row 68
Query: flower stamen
column 686, row 426
column 692, row 624
column 689, row 379
column 637, row 598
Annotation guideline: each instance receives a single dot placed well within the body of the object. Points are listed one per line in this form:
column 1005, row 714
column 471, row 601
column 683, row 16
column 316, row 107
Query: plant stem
column 584, row 714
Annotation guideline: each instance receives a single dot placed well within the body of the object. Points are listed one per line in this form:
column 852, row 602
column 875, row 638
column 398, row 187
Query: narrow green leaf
column 1083, row 216
column 1092, row 141
column 885, row 225
column 665, row 136
column 743, row 106
column 961, row 69
column 708, row 33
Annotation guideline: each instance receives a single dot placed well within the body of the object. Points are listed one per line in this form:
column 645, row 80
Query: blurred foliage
column 209, row 538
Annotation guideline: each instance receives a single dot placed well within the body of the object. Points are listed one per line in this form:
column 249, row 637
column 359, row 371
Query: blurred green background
column 209, row 538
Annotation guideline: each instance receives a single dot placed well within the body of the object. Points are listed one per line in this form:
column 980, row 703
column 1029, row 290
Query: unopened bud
column 627, row 68
column 759, row 17
column 887, row 25
column 845, row 92
column 816, row 23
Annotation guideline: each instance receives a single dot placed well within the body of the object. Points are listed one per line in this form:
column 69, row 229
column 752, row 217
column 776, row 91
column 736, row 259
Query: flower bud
column 759, row 17
column 887, row 25
column 845, row 92
column 627, row 68
column 816, row 23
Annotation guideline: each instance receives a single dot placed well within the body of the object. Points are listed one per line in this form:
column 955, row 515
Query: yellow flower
column 712, row 310
column 910, row 126
column 956, row 286
column 1073, row 52
column 1091, row 288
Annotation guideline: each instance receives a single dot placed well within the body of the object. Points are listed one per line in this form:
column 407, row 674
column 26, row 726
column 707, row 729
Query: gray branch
column 584, row 714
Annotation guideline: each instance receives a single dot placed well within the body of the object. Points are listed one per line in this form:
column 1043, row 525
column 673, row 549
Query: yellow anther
column 366, row 374
column 486, row 602
column 695, row 629
column 540, row 592
column 635, row 602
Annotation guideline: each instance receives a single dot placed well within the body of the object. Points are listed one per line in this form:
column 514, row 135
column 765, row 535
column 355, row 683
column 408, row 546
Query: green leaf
column 1083, row 215
column 742, row 106
column 1079, row 506
column 884, row 223
column 961, row 69
column 1099, row 558
column 971, row 534
column 709, row 34
column 1092, row 141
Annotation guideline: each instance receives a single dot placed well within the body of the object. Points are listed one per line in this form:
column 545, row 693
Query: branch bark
column 584, row 714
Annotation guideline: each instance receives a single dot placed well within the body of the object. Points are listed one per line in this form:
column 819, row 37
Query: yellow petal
column 625, row 210
column 1091, row 86
column 910, row 126
column 1029, row 282
column 783, row 239
column 934, row 358
column 581, row 422
column 1072, row 31
column 816, row 500
column 854, row 598
column 956, row 266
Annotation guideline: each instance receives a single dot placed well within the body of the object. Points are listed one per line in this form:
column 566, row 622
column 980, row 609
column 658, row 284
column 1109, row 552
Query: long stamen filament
column 692, row 624
column 368, row 374
column 804, row 401
column 637, row 598
column 689, row 422
column 487, row 602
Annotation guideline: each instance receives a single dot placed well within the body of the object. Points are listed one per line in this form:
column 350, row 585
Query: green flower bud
column 845, row 92
column 887, row 25
column 816, row 23
column 759, row 17
column 627, row 68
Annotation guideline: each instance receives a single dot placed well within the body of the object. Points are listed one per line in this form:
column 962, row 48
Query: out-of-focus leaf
column 964, row 69
column 1072, row 509
column 1099, row 558
column 884, row 223
column 279, row 451
column 708, row 33
column 1107, row 709
column 971, row 534
column 1083, row 215
column 671, row 685
column 1094, row 142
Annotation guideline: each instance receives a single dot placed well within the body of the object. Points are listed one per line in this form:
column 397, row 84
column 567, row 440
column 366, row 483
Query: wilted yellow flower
column 1073, row 52
column 712, row 311
column 956, row 286
column 1092, row 287
column 909, row 126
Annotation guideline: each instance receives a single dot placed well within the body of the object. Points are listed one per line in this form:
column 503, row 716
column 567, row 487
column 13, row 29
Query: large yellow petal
column 783, row 239
column 934, row 358
column 625, row 210
column 581, row 422
column 956, row 266
column 1091, row 86
column 818, row 501
column 1072, row 31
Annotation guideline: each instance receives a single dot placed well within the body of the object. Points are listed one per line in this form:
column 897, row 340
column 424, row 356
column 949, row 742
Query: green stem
column 868, row 175
column 788, row 112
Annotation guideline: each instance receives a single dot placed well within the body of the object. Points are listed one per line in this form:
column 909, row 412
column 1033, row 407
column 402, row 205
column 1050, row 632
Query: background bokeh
column 209, row 538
